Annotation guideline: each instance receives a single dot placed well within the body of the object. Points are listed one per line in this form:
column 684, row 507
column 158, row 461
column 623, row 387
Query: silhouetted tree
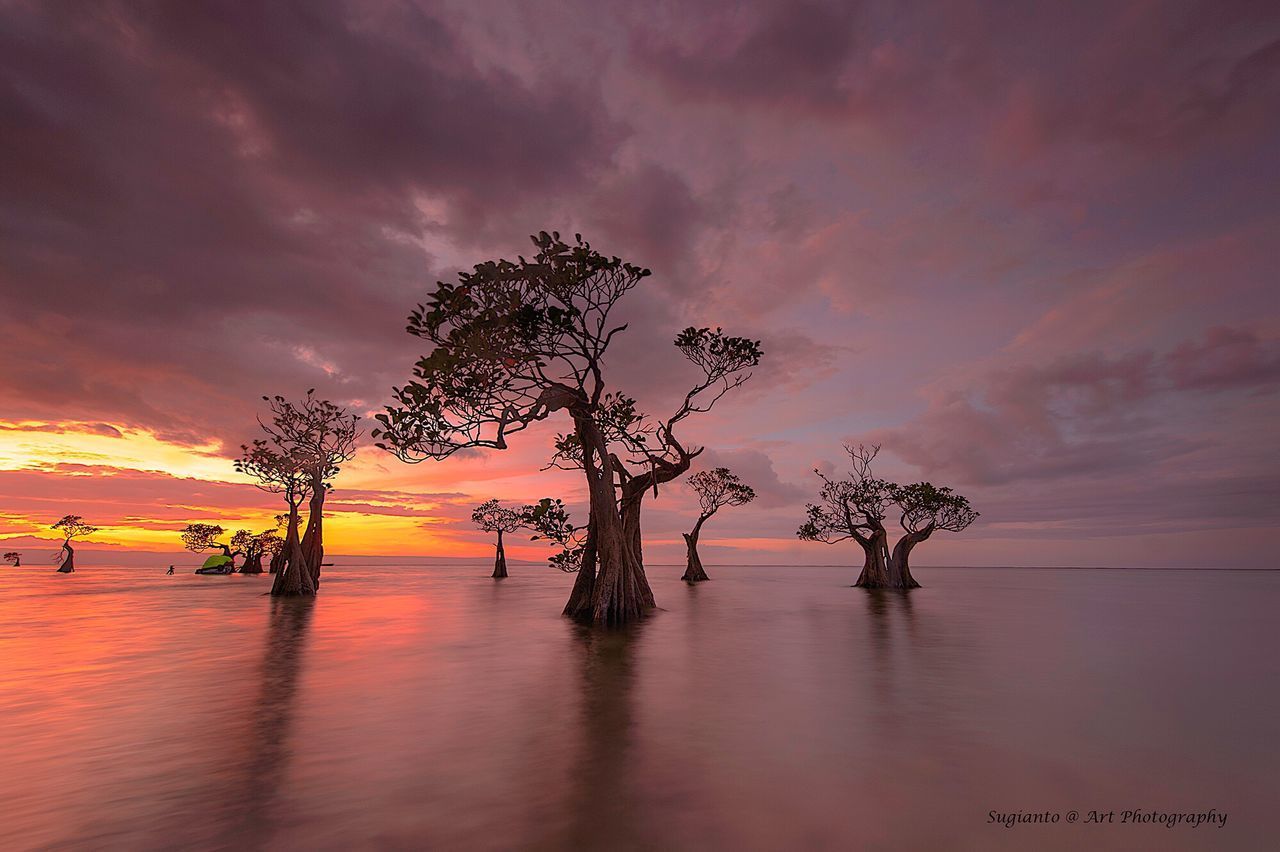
column 514, row 343
column 283, row 471
column 201, row 537
column 715, row 489
column 14, row 558
column 71, row 526
column 857, row 506
column 326, row 434
column 492, row 516
column 255, row 546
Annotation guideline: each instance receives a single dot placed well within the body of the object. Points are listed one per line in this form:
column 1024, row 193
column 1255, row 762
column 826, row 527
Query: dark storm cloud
column 204, row 202
column 772, row 52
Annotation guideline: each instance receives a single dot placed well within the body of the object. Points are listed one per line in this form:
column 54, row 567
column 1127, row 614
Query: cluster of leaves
column 12, row 557
column 315, row 432
column 198, row 537
column 926, row 507
column 276, row 469
column 253, row 545
column 492, row 516
column 550, row 521
column 856, row 507
column 73, row 526
column 619, row 421
column 512, row 342
column 720, row 487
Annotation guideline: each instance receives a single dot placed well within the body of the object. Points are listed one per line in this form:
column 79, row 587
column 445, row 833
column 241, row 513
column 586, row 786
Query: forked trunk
column 500, row 560
column 619, row 591
column 277, row 560
column 313, row 538
column 295, row 575
column 694, row 572
column 68, row 565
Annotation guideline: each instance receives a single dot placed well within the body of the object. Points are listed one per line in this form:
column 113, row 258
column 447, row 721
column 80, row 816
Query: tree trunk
column 500, row 560
column 584, row 584
column 277, row 560
column 17, row 562
column 252, row 564
column 619, row 591
column 899, row 565
column 68, row 565
column 694, row 572
column 295, row 575
column 875, row 567
column 226, row 551
column 631, row 505
column 313, row 538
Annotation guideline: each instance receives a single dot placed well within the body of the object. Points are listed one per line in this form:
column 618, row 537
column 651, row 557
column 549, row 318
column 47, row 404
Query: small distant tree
column 716, row 489
column 201, row 537
column 856, row 508
column 283, row 471
column 14, row 558
column 256, row 547
column 71, row 527
column 325, row 434
column 492, row 516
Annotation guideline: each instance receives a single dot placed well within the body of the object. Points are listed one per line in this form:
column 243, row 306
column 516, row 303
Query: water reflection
column 601, row 806
column 767, row 709
column 272, row 736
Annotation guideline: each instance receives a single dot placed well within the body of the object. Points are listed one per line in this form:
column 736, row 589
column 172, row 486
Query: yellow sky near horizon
column 395, row 515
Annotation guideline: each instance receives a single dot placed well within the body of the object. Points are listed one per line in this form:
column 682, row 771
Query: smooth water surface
column 772, row 708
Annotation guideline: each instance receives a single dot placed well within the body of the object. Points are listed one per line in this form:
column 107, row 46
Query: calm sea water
column 772, row 708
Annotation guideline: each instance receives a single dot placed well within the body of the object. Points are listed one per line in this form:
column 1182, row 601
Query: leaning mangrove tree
column 71, row 527
column 716, row 489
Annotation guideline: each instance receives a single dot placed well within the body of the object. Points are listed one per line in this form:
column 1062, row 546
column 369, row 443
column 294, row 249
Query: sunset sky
column 1032, row 254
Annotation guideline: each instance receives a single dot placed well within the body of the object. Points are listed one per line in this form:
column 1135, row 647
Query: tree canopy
column 198, row 537
column 719, row 487
column 513, row 342
column 73, row 526
column 492, row 516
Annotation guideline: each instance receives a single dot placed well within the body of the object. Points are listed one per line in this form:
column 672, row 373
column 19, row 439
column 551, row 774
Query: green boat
column 217, row 565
